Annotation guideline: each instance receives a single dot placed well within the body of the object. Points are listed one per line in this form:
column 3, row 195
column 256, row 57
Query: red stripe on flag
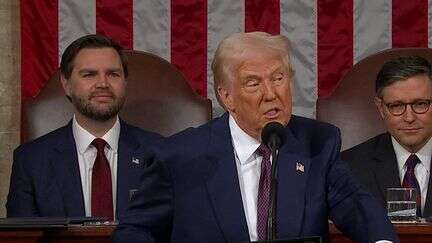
column 39, row 44
column 189, row 41
column 410, row 23
column 262, row 16
column 115, row 20
column 335, row 43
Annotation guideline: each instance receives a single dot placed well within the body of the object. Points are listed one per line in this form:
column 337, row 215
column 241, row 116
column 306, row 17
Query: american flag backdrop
column 328, row 36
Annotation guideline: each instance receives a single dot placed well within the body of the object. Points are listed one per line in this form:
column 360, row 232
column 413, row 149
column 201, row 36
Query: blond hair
column 232, row 49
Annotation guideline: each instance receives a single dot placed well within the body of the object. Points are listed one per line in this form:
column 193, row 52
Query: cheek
column 119, row 87
column 392, row 123
column 427, row 121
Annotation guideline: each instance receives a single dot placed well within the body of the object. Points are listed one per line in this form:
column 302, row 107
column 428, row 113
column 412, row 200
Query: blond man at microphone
column 212, row 183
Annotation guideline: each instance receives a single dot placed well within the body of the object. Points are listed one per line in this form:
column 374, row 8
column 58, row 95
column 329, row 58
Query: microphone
column 273, row 135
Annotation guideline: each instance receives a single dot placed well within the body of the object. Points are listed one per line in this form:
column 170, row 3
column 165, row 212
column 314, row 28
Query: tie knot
column 99, row 143
column 263, row 151
column 412, row 161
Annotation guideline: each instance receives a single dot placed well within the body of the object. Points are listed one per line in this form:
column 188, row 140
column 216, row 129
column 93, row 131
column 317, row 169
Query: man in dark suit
column 403, row 98
column 211, row 184
column 90, row 166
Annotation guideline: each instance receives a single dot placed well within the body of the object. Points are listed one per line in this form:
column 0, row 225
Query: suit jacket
column 46, row 182
column 374, row 163
column 190, row 191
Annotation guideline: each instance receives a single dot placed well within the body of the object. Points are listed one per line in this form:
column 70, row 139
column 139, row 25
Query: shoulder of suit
column 200, row 131
column 307, row 125
column 365, row 147
column 40, row 145
column 139, row 132
column 51, row 137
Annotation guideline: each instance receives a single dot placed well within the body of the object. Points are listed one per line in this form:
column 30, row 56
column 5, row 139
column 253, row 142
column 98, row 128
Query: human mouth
column 410, row 129
column 102, row 97
column 272, row 113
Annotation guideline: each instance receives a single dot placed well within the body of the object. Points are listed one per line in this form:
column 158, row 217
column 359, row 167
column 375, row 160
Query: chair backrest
column 351, row 106
column 158, row 99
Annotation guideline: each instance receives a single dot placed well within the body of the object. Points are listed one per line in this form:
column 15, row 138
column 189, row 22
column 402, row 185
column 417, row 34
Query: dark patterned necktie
column 263, row 191
column 101, row 198
column 410, row 180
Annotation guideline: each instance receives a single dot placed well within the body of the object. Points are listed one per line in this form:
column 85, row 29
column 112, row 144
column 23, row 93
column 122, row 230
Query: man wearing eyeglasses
column 402, row 156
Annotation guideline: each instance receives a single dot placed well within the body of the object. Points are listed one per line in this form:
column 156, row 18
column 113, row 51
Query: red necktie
column 410, row 180
column 263, row 191
column 101, row 198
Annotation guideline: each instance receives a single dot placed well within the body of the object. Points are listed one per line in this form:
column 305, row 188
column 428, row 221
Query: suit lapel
column 223, row 184
column 386, row 169
column 64, row 161
column 291, row 185
column 126, row 169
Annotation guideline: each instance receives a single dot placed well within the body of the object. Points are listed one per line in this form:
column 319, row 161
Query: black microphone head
column 273, row 135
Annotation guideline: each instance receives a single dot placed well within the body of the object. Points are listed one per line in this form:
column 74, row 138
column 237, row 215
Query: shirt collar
column 244, row 145
column 424, row 154
column 83, row 138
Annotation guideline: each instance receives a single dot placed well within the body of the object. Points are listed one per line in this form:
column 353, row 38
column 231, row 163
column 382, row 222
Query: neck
column 96, row 128
column 254, row 134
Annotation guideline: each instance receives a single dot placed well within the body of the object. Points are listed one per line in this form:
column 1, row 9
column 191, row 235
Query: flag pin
column 300, row 167
column 135, row 161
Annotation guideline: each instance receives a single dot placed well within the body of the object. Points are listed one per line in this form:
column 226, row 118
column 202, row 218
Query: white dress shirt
column 249, row 170
column 422, row 170
column 87, row 155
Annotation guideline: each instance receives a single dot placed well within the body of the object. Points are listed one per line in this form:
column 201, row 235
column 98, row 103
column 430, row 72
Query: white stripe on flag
column 151, row 27
column 298, row 23
column 224, row 17
column 372, row 23
column 76, row 18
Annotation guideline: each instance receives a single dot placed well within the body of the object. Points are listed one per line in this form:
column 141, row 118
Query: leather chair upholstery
column 351, row 106
column 158, row 99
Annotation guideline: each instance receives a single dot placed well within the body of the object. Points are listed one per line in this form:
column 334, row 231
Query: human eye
column 87, row 74
column 251, row 84
column 278, row 78
column 395, row 105
column 114, row 74
column 421, row 104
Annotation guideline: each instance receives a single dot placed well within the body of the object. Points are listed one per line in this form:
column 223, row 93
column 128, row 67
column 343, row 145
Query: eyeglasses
column 418, row 106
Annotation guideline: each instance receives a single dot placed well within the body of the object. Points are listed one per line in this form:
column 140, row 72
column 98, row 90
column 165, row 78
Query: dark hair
column 401, row 68
column 88, row 41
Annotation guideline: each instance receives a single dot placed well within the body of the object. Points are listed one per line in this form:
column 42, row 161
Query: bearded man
column 90, row 166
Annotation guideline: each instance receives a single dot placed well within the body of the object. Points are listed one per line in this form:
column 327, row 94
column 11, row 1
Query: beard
column 95, row 112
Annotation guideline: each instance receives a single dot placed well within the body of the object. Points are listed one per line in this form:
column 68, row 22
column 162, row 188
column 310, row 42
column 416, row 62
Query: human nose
column 102, row 81
column 269, row 90
column 409, row 115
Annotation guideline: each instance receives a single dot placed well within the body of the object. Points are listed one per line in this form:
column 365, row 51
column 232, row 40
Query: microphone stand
column 271, row 228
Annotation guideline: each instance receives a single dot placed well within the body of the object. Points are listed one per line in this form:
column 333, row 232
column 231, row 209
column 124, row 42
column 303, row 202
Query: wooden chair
column 158, row 99
column 351, row 106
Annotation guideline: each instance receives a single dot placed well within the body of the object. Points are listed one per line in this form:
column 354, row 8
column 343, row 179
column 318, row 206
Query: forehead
column 416, row 87
column 96, row 58
column 259, row 62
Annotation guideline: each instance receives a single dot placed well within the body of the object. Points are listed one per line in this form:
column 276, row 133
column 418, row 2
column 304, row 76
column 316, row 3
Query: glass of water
column 401, row 204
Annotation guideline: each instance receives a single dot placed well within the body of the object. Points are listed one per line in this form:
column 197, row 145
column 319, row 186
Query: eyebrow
column 401, row 101
column 250, row 76
column 114, row 70
column 89, row 70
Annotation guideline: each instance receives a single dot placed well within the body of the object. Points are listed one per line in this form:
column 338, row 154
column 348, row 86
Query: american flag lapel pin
column 300, row 167
column 135, row 161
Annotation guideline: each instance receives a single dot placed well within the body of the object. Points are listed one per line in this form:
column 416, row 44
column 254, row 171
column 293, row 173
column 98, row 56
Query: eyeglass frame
column 405, row 106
